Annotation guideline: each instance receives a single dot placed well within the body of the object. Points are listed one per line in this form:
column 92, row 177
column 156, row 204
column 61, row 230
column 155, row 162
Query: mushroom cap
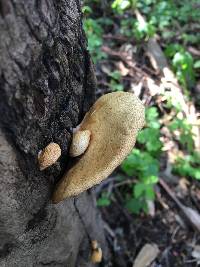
column 96, row 255
column 114, row 121
column 49, row 155
column 80, row 142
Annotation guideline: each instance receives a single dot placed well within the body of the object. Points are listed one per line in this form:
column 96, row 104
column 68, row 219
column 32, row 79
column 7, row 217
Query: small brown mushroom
column 49, row 155
column 114, row 121
column 96, row 255
column 80, row 143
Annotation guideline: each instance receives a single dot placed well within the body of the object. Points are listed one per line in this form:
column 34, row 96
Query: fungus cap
column 80, row 142
column 49, row 155
column 114, row 121
column 96, row 255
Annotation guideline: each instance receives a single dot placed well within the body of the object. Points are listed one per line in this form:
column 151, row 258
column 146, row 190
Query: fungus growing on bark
column 114, row 121
column 80, row 143
column 96, row 255
column 49, row 155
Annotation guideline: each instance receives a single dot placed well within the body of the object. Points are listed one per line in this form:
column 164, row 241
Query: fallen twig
column 192, row 215
column 124, row 57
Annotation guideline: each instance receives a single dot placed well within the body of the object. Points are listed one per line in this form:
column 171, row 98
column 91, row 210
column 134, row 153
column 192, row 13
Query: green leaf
column 115, row 75
column 153, row 179
column 86, row 10
column 133, row 205
column 116, row 86
column 151, row 114
column 144, row 190
column 120, row 5
column 196, row 173
column 132, row 163
column 139, row 190
column 149, row 192
column 171, row 49
column 145, row 207
column 197, row 64
column 103, row 202
column 188, row 166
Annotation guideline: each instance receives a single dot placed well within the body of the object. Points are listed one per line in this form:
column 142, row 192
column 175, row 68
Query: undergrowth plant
column 172, row 21
column 94, row 33
column 115, row 81
column 183, row 65
column 143, row 164
column 189, row 164
column 167, row 18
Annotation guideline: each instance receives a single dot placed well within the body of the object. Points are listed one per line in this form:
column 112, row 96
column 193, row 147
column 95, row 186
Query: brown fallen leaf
column 122, row 69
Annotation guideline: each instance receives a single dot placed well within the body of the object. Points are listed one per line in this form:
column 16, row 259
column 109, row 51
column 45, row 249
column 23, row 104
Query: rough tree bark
column 47, row 83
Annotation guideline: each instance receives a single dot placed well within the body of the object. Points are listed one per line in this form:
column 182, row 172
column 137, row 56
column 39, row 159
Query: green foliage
column 131, row 27
column 94, row 33
column 185, row 130
column 173, row 22
column 188, row 166
column 141, row 163
column 121, row 5
column 115, row 82
column 169, row 16
column 149, row 136
column 144, row 163
column 162, row 14
column 182, row 61
column 135, row 205
column 143, row 30
column 127, row 26
column 137, row 201
column 197, row 64
column 103, row 201
column 86, row 10
column 173, row 101
column 163, row 17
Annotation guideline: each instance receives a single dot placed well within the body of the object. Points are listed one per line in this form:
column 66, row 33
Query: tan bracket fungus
column 114, row 121
column 49, row 155
column 96, row 255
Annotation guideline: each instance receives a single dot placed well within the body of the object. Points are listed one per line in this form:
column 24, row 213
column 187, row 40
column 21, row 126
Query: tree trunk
column 47, row 84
